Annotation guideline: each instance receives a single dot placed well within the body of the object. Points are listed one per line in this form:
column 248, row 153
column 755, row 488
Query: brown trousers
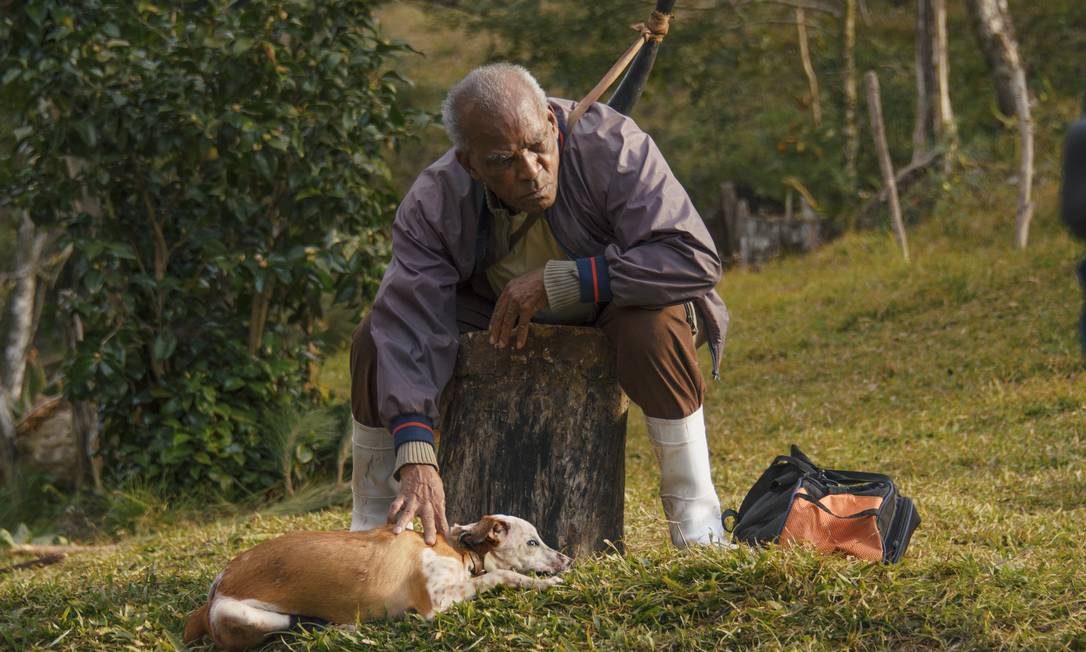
column 656, row 351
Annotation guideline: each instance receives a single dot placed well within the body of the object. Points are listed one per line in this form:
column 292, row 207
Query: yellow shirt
column 534, row 249
column 532, row 252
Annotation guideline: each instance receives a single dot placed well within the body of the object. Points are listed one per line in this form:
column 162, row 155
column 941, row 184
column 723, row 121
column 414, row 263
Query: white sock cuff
column 673, row 432
column 377, row 439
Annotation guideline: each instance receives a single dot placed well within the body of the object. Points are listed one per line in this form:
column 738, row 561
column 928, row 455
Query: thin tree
column 7, row 437
column 995, row 33
column 992, row 25
column 30, row 242
column 924, row 123
column 851, row 127
column 808, row 69
column 945, row 125
column 886, row 165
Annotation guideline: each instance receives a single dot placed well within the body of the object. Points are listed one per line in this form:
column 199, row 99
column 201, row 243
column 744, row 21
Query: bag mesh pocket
column 835, row 523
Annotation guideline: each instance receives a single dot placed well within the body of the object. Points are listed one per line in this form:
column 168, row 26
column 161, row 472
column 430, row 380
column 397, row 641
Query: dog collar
column 474, row 558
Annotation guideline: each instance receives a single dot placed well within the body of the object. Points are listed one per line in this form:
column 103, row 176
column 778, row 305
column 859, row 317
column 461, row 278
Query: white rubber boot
column 372, row 485
column 686, row 487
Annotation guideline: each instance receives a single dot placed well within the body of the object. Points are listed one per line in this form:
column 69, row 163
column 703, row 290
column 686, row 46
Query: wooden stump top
column 577, row 348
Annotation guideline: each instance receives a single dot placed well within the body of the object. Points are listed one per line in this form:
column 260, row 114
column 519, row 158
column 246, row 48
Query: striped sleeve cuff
column 415, row 452
column 595, row 279
column 562, row 284
column 411, row 427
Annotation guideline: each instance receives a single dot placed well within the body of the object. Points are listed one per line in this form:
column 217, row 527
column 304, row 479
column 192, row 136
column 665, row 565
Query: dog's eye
column 533, row 542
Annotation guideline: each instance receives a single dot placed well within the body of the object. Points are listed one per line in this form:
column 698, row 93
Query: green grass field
column 958, row 375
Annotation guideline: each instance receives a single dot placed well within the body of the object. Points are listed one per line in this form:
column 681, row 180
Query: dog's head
column 510, row 543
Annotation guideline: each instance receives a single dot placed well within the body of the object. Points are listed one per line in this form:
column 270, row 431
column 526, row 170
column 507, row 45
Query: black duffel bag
column 796, row 502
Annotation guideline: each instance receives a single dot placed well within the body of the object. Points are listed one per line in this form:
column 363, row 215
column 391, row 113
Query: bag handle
column 856, row 476
column 798, row 457
column 795, row 452
column 803, row 463
column 814, row 501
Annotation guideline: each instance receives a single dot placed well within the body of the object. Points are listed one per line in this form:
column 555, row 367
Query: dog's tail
column 196, row 625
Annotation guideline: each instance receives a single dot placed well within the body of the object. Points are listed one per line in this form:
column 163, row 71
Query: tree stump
column 538, row 433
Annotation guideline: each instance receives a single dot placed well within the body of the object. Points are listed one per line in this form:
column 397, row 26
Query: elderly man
column 526, row 219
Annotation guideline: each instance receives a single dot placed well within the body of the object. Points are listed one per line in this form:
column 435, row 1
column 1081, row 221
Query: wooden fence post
column 728, row 246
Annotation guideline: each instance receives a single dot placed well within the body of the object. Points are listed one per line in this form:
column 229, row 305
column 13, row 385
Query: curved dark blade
column 633, row 82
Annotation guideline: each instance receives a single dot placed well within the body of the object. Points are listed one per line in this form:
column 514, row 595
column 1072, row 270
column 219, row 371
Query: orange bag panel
column 858, row 537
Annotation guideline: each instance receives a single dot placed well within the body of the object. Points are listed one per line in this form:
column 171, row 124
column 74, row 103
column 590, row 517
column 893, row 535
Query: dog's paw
column 554, row 580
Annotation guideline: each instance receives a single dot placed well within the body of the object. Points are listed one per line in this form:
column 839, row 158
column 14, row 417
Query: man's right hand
column 522, row 297
column 421, row 494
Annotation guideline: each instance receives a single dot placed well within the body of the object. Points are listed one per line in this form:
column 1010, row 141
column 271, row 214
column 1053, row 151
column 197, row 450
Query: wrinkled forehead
column 509, row 126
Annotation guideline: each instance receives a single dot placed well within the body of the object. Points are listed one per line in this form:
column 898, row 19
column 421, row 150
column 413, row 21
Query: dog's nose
column 564, row 562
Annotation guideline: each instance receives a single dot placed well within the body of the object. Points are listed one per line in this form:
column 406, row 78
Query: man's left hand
column 523, row 297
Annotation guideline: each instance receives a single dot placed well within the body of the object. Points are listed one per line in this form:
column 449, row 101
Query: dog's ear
column 497, row 531
column 488, row 530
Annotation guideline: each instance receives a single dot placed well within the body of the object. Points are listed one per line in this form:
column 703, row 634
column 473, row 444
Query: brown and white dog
column 343, row 577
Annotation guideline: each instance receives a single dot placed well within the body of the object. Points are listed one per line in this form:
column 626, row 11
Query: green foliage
column 728, row 98
column 218, row 168
column 298, row 440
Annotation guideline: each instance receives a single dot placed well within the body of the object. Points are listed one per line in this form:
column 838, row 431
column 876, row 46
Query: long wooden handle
column 604, row 83
column 651, row 33
column 630, row 88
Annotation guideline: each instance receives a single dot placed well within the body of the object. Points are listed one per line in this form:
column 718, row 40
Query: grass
column 958, row 375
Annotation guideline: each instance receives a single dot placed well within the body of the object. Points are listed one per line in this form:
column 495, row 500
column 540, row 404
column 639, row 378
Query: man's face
column 515, row 154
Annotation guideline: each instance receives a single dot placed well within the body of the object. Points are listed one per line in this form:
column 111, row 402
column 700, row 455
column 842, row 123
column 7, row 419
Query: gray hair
column 491, row 88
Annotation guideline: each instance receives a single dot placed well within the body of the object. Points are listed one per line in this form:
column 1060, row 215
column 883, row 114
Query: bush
column 216, row 167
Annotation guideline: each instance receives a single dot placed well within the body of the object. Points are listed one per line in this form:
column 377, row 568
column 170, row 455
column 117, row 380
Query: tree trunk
column 538, row 433
column 808, row 69
column 878, row 129
column 851, row 127
column 28, row 250
column 946, row 127
column 7, row 437
column 924, row 125
column 993, row 26
column 995, row 32
column 1025, row 169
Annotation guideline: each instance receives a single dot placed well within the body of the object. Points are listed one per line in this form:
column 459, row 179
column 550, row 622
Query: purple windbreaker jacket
column 618, row 203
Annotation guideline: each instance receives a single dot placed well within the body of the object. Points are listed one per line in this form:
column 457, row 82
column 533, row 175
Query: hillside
column 957, row 375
